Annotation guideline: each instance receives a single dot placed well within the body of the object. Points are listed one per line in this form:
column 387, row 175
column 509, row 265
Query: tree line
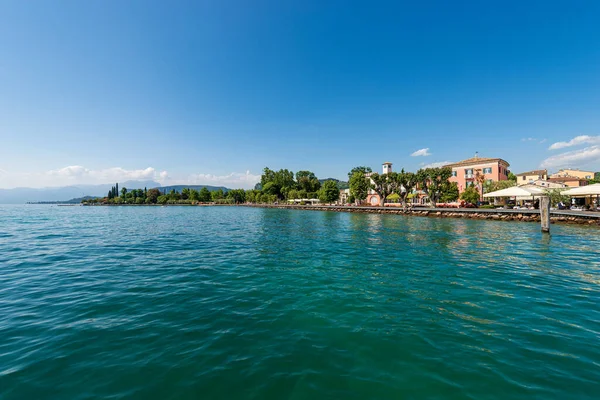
column 156, row 196
column 432, row 182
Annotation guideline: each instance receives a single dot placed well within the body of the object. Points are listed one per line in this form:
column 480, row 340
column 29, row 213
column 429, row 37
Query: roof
column 477, row 160
column 534, row 172
column 387, row 162
column 566, row 179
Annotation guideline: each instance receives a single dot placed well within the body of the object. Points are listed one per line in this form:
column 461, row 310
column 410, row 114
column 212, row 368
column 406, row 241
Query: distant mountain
column 50, row 194
column 179, row 188
column 340, row 184
column 77, row 200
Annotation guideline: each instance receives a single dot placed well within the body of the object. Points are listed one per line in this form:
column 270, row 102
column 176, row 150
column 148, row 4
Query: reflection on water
column 228, row 302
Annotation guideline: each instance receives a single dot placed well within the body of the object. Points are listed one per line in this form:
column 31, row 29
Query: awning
column 517, row 191
column 589, row 190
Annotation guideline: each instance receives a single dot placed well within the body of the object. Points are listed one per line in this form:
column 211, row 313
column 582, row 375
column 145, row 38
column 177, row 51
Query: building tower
column 387, row 167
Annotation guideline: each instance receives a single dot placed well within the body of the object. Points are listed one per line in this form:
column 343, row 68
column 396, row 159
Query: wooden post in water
column 545, row 213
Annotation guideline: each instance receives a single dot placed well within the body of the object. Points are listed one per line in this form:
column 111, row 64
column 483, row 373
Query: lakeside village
column 476, row 182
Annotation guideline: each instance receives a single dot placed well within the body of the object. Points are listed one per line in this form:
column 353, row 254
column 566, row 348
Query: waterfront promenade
column 556, row 216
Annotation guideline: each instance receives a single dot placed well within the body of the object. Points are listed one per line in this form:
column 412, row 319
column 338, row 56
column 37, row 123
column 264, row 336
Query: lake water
column 249, row 303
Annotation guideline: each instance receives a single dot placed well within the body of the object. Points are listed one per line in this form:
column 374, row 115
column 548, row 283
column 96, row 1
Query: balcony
column 469, row 176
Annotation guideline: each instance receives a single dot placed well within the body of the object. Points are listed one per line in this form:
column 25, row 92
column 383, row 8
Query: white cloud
column 583, row 139
column 543, row 140
column 421, row 152
column 437, row 164
column 79, row 174
column 233, row 180
column 573, row 159
column 529, row 139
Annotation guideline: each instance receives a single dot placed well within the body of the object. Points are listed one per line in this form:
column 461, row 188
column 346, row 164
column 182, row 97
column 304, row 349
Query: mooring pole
column 545, row 213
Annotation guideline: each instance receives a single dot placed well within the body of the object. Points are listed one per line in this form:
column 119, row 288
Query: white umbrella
column 589, row 190
column 517, row 191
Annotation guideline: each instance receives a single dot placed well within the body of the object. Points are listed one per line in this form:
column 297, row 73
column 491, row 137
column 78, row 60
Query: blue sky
column 214, row 91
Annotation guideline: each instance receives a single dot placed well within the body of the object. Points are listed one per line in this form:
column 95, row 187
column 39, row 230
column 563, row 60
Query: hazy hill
column 24, row 195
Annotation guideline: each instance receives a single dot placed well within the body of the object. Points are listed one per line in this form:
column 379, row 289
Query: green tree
column 152, row 196
column 489, row 187
column 383, row 185
column 204, row 195
column 271, row 188
column 185, row 193
column 237, row 196
column 117, row 190
column 359, row 186
column 308, row 181
column 512, row 177
column 194, row 195
column 362, row 170
column 405, row 183
column 470, row 195
column 292, row 194
column 124, row 192
column 163, row 199
column 393, row 198
column 450, row 193
column 434, row 182
column 277, row 183
column 252, row 196
column 217, row 195
column 556, row 196
column 329, row 192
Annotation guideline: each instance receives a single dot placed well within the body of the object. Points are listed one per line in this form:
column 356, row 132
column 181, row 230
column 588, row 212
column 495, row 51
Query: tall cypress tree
column 117, row 190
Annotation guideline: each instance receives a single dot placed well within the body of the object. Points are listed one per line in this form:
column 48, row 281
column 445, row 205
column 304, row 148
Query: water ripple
column 200, row 302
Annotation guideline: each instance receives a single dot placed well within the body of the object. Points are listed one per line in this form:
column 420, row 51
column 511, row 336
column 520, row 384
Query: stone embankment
column 564, row 217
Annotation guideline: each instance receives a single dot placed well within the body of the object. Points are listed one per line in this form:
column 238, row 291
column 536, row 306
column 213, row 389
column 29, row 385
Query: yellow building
column 573, row 173
column 527, row 178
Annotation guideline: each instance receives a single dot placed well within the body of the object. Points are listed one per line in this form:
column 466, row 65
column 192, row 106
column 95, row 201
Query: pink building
column 464, row 172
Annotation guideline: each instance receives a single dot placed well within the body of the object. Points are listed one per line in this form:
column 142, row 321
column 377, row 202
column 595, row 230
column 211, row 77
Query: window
column 524, row 178
column 453, row 173
column 487, row 170
column 469, row 173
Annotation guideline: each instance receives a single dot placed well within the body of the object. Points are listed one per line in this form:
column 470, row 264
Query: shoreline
column 563, row 217
column 556, row 216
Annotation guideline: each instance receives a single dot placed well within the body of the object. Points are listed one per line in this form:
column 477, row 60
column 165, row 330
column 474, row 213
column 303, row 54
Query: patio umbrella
column 589, row 190
column 517, row 191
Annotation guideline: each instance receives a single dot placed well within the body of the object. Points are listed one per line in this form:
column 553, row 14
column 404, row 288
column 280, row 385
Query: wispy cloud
column 437, row 164
column 532, row 139
column 80, row 175
column 421, row 153
column 234, row 180
column 576, row 141
column 573, row 159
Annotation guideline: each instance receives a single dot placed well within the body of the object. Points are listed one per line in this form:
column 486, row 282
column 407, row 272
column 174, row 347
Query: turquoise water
column 242, row 303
